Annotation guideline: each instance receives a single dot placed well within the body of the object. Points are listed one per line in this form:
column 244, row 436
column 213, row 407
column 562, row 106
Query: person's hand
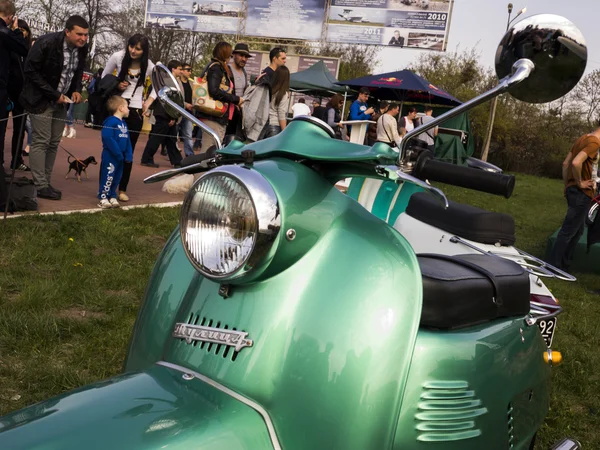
column 188, row 106
column 62, row 99
column 145, row 108
column 241, row 101
column 76, row 97
column 171, row 123
column 123, row 85
column 369, row 111
column 586, row 184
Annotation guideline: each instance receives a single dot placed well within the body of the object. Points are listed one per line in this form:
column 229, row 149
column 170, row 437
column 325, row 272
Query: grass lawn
column 70, row 287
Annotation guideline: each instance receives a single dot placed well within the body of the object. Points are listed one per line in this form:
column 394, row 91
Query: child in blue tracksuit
column 116, row 150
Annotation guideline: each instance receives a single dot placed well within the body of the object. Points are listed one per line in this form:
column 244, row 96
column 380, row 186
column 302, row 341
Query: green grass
column 48, row 345
column 70, row 287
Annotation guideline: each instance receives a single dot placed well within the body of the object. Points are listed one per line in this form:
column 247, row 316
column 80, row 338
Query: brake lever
column 395, row 174
column 202, row 166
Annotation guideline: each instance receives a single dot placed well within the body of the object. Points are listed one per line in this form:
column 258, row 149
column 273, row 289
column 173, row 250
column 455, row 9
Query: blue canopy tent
column 452, row 144
column 403, row 86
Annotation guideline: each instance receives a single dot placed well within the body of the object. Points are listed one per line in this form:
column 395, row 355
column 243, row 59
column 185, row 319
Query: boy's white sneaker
column 72, row 133
column 114, row 203
column 104, row 204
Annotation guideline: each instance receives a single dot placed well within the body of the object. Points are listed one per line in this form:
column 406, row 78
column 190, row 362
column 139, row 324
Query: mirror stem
column 163, row 94
column 521, row 70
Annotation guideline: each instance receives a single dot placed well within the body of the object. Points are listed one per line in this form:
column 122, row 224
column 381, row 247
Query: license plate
column 547, row 328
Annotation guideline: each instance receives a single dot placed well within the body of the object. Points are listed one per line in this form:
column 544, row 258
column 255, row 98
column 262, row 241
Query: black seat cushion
column 466, row 221
column 464, row 290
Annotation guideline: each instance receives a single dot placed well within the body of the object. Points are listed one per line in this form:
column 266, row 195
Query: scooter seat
column 464, row 290
column 466, row 221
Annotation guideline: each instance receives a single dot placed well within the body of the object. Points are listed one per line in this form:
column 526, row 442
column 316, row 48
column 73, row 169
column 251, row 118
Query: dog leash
column 72, row 155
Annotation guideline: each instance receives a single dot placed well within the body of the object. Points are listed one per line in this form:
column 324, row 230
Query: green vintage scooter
column 283, row 315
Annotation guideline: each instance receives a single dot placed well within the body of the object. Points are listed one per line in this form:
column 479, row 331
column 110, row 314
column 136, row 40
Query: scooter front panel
column 333, row 323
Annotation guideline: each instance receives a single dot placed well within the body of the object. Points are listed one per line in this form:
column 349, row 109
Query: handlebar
column 479, row 180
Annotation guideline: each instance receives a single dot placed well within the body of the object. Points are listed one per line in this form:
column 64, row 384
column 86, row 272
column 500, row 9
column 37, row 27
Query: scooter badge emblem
column 200, row 333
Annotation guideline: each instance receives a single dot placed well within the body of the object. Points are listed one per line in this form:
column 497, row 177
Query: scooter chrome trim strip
column 246, row 401
column 232, row 338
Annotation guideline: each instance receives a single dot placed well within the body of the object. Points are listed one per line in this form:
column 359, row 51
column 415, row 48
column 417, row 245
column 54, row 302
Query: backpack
column 23, row 196
column 103, row 89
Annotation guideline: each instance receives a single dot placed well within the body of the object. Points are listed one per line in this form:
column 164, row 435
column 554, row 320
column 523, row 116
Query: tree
column 587, row 95
column 355, row 60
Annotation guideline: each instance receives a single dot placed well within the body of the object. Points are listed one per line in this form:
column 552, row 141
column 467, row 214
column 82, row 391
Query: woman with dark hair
column 334, row 114
column 132, row 67
column 14, row 88
column 280, row 101
column 220, row 87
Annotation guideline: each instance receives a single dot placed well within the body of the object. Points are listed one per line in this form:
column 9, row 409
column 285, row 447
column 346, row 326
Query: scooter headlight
column 229, row 221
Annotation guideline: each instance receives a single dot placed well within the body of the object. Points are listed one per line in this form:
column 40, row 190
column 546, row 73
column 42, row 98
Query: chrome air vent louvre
column 448, row 411
column 212, row 336
column 511, row 427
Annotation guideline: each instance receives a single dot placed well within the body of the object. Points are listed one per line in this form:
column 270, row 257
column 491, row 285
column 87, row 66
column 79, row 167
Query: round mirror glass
column 161, row 78
column 557, row 49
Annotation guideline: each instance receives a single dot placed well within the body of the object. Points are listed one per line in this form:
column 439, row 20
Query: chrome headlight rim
column 267, row 215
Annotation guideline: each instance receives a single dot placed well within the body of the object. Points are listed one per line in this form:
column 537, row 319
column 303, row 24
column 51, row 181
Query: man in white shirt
column 387, row 128
column 300, row 108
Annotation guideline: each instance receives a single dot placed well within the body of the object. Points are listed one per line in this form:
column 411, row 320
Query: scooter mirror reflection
column 161, row 78
column 556, row 47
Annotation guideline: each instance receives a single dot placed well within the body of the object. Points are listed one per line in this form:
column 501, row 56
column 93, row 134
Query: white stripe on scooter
column 368, row 193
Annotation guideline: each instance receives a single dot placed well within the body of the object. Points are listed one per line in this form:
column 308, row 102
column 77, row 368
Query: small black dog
column 79, row 166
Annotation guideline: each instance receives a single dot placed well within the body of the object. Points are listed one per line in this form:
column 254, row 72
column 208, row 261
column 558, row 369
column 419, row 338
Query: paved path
column 78, row 196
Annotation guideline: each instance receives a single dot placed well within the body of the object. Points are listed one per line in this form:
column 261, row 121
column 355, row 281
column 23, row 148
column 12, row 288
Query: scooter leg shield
column 157, row 408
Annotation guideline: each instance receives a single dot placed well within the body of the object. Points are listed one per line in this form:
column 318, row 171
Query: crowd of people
column 43, row 82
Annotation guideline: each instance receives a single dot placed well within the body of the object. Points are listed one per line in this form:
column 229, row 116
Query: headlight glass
column 223, row 225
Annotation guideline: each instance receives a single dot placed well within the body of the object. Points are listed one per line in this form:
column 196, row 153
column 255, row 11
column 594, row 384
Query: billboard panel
column 421, row 24
column 295, row 63
column 297, row 19
column 199, row 15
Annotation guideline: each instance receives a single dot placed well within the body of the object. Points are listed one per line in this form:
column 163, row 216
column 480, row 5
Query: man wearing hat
column 240, row 56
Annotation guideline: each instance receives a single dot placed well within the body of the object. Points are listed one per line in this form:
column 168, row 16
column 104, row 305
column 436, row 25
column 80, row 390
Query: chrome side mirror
column 163, row 78
column 557, row 49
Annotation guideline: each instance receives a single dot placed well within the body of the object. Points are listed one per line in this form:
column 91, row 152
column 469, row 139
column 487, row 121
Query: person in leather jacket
column 11, row 41
column 219, row 73
column 53, row 78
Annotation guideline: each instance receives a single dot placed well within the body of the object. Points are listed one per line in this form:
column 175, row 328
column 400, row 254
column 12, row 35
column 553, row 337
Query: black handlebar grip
column 478, row 180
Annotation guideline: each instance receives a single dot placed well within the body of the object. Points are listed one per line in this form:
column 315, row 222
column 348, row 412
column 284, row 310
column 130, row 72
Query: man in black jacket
column 53, row 76
column 11, row 41
column 164, row 130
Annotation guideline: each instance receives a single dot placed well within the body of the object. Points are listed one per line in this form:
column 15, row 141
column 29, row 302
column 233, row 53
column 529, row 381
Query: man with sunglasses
column 241, row 55
column 186, row 126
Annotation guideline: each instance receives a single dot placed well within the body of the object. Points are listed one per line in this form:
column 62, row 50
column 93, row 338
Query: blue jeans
column 185, row 131
column 572, row 228
column 70, row 119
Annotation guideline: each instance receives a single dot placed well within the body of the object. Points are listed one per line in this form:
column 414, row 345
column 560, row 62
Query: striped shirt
column 70, row 63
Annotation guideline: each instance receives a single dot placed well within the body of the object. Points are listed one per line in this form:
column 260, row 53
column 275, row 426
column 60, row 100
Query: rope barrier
column 98, row 127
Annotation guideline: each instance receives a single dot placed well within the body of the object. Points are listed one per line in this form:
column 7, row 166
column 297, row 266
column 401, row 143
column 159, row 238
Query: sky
column 482, row 23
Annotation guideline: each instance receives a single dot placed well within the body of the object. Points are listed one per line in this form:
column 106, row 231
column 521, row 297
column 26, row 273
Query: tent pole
column 344, row 104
